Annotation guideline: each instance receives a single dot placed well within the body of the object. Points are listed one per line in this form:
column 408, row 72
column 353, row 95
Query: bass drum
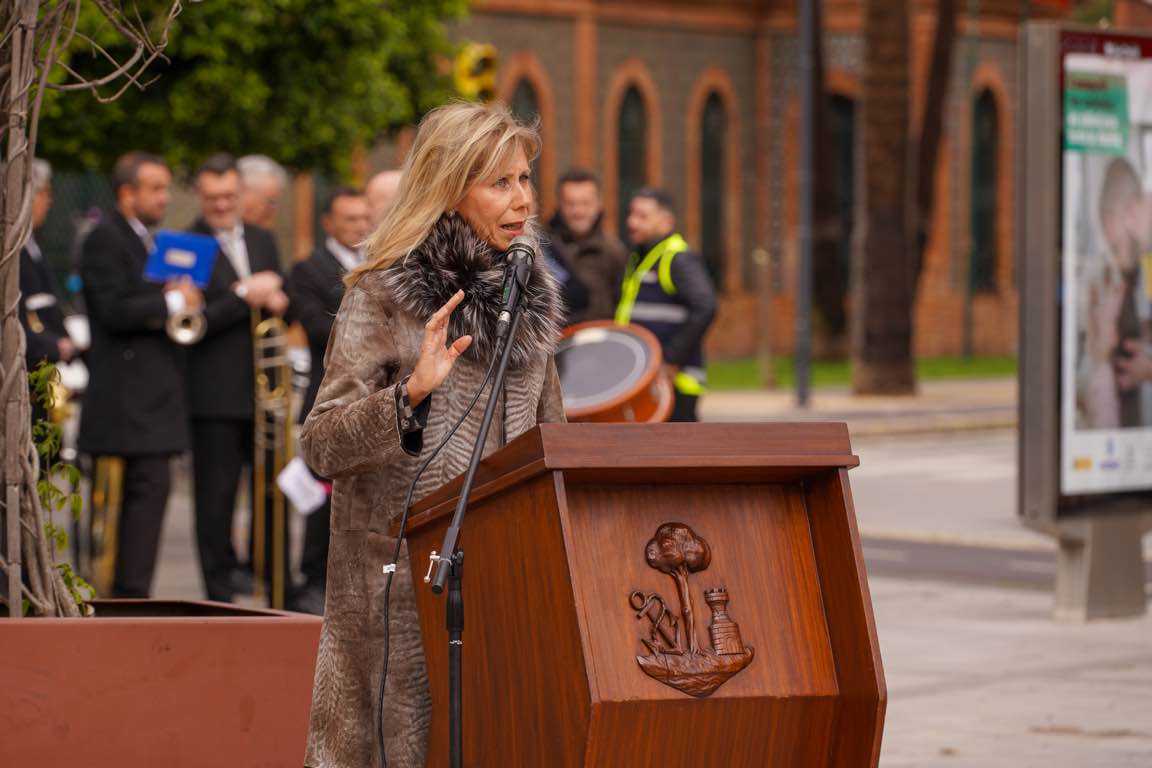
column 612, row 373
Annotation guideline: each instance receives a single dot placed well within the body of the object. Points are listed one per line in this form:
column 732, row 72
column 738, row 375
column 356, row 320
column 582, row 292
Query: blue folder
column 177, row 254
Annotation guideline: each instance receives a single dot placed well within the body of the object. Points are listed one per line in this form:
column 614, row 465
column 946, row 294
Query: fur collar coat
column 353, row 437
column 454, row 258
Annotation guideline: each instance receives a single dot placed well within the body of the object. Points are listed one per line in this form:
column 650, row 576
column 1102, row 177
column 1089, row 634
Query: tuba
column 273, row 446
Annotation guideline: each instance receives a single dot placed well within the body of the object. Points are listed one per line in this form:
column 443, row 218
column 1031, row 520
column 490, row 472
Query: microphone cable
column 390, row 572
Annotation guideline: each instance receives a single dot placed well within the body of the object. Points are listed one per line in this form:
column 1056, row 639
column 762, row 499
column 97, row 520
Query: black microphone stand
column 449, row 564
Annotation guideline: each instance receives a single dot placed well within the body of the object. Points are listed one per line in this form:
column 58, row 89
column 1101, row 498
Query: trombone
column 273, row 424
column 104, row 526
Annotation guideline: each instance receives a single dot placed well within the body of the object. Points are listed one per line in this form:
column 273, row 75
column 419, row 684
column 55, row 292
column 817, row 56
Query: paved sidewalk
column 944, row 405
column 982, row 677
column 978, row 677
column 946, row 487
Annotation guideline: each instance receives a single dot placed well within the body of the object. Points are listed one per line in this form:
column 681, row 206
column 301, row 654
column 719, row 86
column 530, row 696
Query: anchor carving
column 675, row 657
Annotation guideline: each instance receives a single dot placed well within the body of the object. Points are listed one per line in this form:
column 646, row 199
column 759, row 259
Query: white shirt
column 348, row 258
column 33, row 249
column 232, row 243
column 141, row 232
column 173, row 300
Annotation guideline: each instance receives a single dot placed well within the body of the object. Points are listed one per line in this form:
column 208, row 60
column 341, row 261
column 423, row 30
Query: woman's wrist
column 417, row 392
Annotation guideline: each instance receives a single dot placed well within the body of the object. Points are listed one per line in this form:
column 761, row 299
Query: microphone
column 517, row 267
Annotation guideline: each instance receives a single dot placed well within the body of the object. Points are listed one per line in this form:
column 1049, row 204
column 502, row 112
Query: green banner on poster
column 1095, row 113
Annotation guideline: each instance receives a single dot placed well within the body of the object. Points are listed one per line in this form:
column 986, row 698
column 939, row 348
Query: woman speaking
column 410, row 346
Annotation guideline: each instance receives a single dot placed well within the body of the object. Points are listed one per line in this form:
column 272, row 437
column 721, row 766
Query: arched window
column 632, row 150
column 525, row 105
column 842, row 127
column 983, row 193
column 713, row 134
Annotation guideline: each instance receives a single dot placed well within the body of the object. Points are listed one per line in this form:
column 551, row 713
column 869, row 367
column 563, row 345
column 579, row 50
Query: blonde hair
column 456, row 146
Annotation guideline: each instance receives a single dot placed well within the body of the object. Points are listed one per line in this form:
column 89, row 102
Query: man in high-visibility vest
column 667, row 290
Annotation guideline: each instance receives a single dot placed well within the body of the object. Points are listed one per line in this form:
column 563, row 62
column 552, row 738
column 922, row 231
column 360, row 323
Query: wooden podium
column 592, row 550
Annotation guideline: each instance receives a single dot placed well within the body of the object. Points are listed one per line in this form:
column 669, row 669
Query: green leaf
column 40, row 380
column 57, row 535
column 80, row 589
column 48, row 439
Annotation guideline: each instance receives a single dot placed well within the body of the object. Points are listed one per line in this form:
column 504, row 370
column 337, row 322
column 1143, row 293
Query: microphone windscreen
column 524, row 244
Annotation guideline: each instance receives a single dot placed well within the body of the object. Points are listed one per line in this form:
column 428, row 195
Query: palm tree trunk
column 883, row 283
column 829, row 281
column 932, row 124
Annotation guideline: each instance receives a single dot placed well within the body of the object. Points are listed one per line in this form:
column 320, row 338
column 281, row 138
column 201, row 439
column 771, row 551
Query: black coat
column 316, row 287
column 44, row 322
column 134, row 404
column 221, row 381
column 592, row 266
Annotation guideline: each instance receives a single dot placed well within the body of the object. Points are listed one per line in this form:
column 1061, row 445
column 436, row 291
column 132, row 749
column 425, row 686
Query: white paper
column 79, row 331
column 306, row 493
column 73, row 375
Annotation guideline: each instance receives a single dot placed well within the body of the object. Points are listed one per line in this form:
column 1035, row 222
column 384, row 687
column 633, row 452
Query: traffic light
column 475, row 72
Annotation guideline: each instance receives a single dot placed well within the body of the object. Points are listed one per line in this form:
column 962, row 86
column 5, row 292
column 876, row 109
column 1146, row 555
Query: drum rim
column 646, row 379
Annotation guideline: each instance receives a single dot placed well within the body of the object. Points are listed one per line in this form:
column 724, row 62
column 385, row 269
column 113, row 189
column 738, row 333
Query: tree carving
column 672, row 659
column 677, row 551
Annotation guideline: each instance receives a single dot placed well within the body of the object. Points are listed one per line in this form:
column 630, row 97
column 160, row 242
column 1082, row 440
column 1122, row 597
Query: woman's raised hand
column 437, row 356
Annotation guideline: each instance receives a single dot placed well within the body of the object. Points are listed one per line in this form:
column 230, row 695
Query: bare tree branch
column 56, row 21
column 35, row 600
column 91, row 85
column 36, row 35
column 128, row 72
column 66, row 43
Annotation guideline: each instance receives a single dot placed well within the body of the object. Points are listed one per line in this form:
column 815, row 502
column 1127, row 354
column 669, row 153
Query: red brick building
column 702, row 98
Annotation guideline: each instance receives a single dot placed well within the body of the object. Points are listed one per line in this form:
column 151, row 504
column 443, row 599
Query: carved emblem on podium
column 675, row 657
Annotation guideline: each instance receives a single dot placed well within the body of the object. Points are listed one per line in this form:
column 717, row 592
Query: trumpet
column 185, row 328
column 273, row 439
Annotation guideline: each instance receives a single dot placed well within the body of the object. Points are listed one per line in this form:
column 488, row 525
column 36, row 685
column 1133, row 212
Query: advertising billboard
column 1105, row 263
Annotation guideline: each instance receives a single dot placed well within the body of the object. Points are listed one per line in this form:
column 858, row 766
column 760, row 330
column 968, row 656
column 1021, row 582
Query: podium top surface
column 712, row 452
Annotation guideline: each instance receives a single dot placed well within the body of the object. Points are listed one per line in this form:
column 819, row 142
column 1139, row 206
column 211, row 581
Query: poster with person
column 1106, row 418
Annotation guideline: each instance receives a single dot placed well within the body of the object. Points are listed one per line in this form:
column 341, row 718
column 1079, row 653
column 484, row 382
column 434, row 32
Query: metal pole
column 803, row 341
column 763, row 262
column 454, row 607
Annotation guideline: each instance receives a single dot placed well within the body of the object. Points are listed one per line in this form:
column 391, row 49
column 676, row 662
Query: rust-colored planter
column 157, row 682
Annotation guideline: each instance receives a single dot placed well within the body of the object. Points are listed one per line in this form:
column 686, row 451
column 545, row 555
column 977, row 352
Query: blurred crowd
column 170, row 367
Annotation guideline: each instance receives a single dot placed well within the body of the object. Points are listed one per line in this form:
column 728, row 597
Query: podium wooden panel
column 554, row 545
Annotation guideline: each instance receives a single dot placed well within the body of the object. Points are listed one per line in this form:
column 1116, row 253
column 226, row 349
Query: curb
column 930, row 424
column 882, row 425
column 881, row 536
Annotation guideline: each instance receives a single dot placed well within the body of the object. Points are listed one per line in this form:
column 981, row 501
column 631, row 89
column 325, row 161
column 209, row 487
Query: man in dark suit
column 40, row 311
column 245, row 280
column 134, row 406
column 316, row 287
